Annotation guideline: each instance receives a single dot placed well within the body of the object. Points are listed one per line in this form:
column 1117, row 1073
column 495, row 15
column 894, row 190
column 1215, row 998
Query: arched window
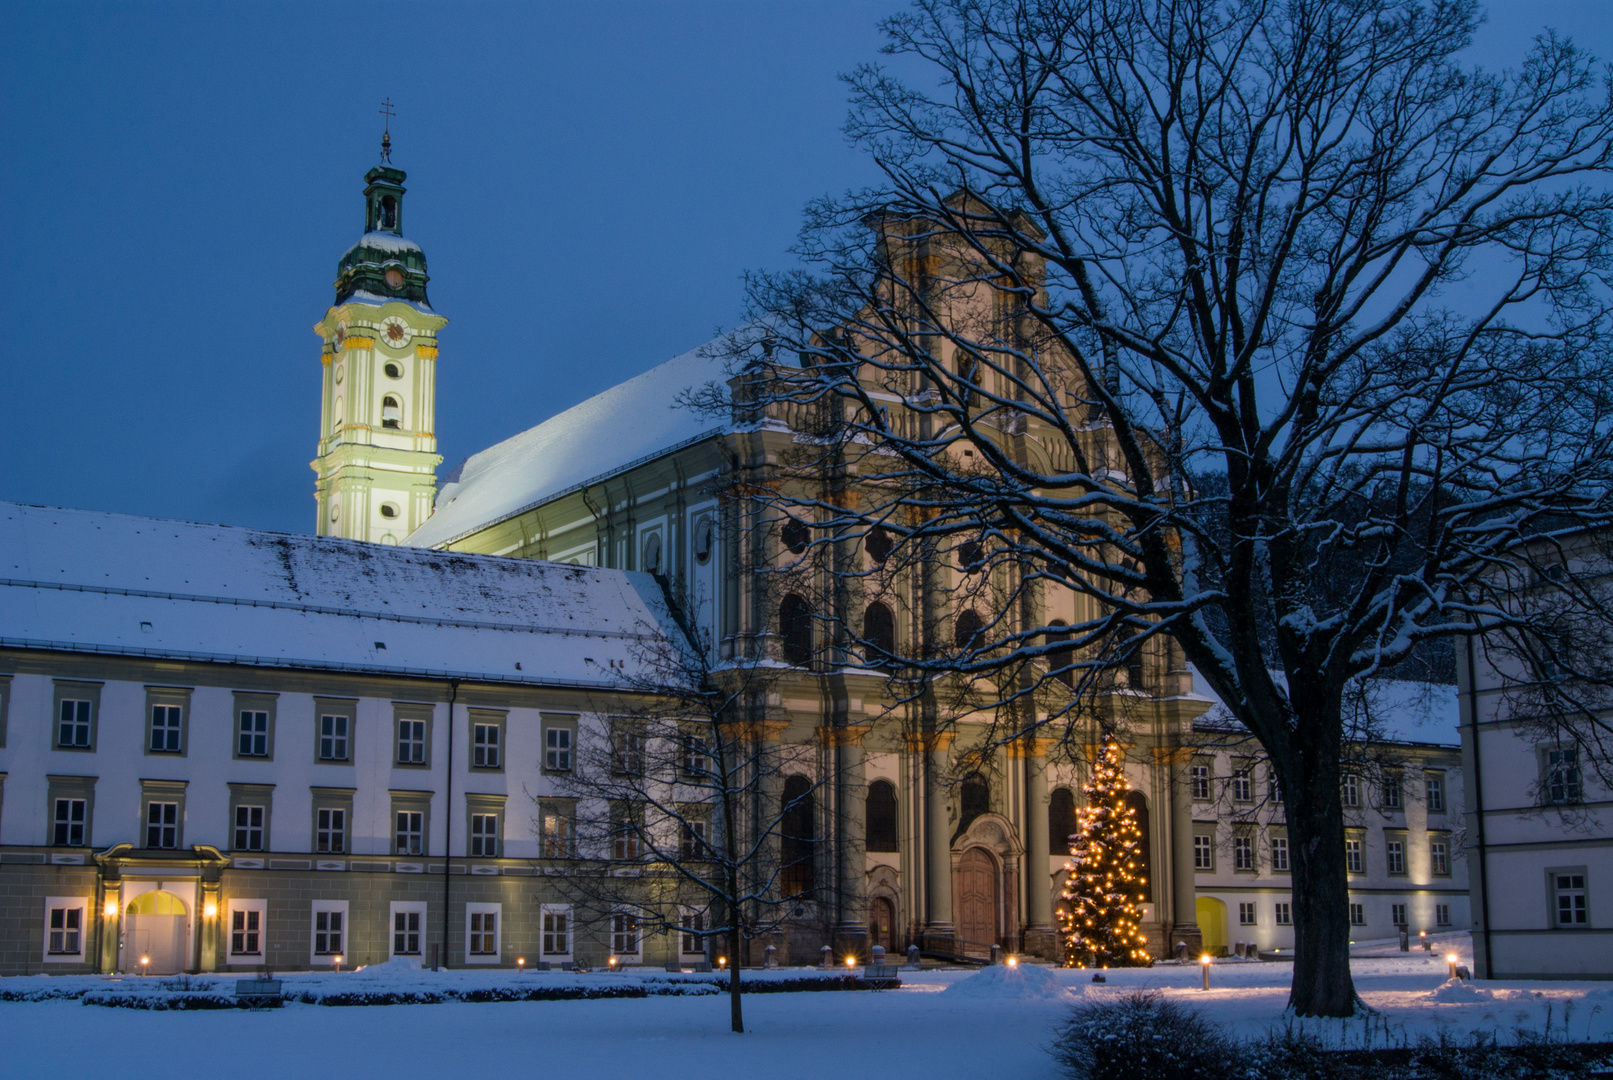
column 1061, row 823
column 971, row 556
column 1061, row 661
column 389, row 510
column 797, row 837
column 974, row 799
column 1131, row 657
column 652, row 553
column 391, row 412
column 879, row 632
column 796, row 536
column 795, row 629
column 879, row 544
column 1139, row 803
column 702, row 541
column 389, row 212
column 881, row 811
column 968, row 633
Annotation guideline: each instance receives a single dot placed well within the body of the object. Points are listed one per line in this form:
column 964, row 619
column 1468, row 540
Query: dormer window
column 391, row 412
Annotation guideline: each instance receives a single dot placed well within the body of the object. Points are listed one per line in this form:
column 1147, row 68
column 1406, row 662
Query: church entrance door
column 974, row 901
column 882, row 923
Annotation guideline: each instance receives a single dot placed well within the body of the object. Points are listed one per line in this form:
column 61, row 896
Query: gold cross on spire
column 386, row 131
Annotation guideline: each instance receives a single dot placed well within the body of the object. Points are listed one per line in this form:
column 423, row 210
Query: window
column 1285, row 914
column 330, row 832
column 702, row 541
column 484, row 836
column 391, row 412
column 696, row 764
column 624, row 934
column 162, row 825
column 1201, row 782
column 1203, row 853
column 484, row 746
column 971, row 556
column 795, row 630
column 1061, row 660
column 392, row 370
column 1395, row 853
column 254, row 734
column 246, row 930
column 328, row 933
column 333, row 730
column 555, row 832
column 1435, row 784
column 389, row 510
column 795, row 536
column 1439, row 857
column 74, row 730
column 879, row 634
column 798, row 837
column 1061, row 821
column 1246, row 914
column 878, row 544
column 624, row 839
column 249, row 828
column 694, row 933
column 627, row 752
column 1358, row 915
column 484, row 933
column 1243, row 785
column 1392, row 796
column 66, row 931
column 692, row 840
column 1243, row 853
column 1568, row 895
column 1442, row 914
column 1279, row 854
column 556, row 931
column 652, row 554
column 406, row 933
column 1397, row 914
column 1562, row 776
column 880, row 811
column 165, row 729
column 968, row 633
column 1352, row 791
column 70, row 823
column 411, row 742
column 410, row 838
column 556, row 748
column 1274, row 790
column 1354, row 858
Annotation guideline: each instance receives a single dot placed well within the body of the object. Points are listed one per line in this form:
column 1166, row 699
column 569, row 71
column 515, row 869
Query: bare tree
column 1269, row 330
column 689, row 818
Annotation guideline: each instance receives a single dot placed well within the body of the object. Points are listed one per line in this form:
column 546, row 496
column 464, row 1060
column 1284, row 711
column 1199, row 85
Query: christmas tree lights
column 1105, row 879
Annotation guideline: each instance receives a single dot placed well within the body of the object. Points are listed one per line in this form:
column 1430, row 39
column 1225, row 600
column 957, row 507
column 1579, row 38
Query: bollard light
column 144, row 960
column 338, row 963
column 851, row 962
column 520, row 964
column 1204, row 964
column 1013, row 961
column 722, row 962
column 612, row 962
column 1450, row 964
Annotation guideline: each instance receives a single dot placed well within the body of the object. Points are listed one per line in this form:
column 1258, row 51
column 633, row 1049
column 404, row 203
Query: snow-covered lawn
column 994, row 1023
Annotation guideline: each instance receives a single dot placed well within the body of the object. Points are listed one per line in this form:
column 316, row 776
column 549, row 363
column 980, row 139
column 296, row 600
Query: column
column 1182, row 925
column 939, row 933
column 1041, row 936
column 851, row 860
column 765, row 735
column 212, row 912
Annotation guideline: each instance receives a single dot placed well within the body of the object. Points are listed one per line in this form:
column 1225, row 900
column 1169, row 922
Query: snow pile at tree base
column 1455, row 990
column 1001, row 982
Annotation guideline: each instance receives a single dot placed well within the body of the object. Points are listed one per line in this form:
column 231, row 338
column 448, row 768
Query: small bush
column 1141, row 1036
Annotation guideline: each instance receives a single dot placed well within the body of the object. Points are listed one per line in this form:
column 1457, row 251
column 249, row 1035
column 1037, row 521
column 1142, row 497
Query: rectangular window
column 696, row 762
column 624, row 840
column 1285, row 914
column 165, row 729
column 1442, row 914
column 246, row 932
column 1352, row 791
column 1439, row 857
column 330, row 830
column 692, row 840
column 1243, row 785
column 1201, row 782
column 1279, row 854
column 1562, row 776
column 411, row 742
column 555, row 832
column 1397, row 914
column 328, row 933
column 253, row 738
column 1354, row 859
column 1568, row 889
column 557, row 749
column 1243, row 853
column 1392, row 798
column 1436, row 793
column 627, row 753
column 484, row 836
column 1246, row 914
column 1203, row 853
column 1358, row 915
column 556, row 931
column 69, row 823
column 1274, row 791
column 66, row 931
column 624, row 934
column 484, row 933
column 694, row 933
column 333, row 730
column 162, row 825
column 410, row 838
column 249, row 828
column 406, row 933
column 484, row 749
column 73, row 732
column 1395, row 853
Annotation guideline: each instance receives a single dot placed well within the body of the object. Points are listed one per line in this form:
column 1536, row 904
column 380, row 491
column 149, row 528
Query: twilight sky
column 588, row 181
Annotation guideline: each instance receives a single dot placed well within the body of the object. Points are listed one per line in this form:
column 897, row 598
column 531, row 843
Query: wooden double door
column 976, row 910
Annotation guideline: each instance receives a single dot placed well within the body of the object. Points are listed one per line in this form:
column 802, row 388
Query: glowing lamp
column 1013, row 961
column 144, row 960
column 851, row 962
column 722, row 961
column 520, row 964
column 210, row 910
column 1450, row 963
column 1204, row 965
column 612, row 962
column 111, row 909
column 338, row 961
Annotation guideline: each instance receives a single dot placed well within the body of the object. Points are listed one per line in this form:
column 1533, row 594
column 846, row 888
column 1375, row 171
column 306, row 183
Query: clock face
column 395, row 332
column 394, row 279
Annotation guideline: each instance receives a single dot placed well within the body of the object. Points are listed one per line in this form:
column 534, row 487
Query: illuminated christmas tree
column 1105, row 879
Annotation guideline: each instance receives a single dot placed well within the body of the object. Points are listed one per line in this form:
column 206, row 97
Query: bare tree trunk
column 1322, row 985
column 735, row 1012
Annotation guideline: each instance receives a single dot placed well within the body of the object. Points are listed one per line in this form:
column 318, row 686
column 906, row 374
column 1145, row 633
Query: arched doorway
column 154, row 927
column 882, row 923
column 974, row 898
column 1212, row 917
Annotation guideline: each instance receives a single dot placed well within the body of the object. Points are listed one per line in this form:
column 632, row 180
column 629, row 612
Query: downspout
column 448, row 822
column 1478, row 807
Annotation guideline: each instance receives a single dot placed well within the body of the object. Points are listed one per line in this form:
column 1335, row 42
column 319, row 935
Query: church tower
column 378, row 459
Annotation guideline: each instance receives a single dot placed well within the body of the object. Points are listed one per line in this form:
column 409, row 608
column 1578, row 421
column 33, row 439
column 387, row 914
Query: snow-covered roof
column 83, row 581
column 1382, row 710
column 629, row 423
column 391, row 243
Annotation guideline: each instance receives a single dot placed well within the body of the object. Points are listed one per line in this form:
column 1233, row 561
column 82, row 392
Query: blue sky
column 589, row 181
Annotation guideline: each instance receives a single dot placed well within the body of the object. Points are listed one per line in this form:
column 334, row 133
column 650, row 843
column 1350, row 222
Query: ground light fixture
column 851, row 962
column 1450, row 964
column 1013, row 961
column 612, row 963
column 144, row 963
column 1204, row 965
column 338, row 963
column 520, row 964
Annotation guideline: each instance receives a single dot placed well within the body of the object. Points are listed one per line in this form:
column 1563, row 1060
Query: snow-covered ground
column 992, row 1023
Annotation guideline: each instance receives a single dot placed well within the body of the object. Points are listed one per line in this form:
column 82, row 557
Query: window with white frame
column 696, row 761
column 1203, row 852
column 330, row 830
column 1352, row 790
column 1442, row 914
column 333, row 736
column 692, row 840
column 73, row 730
column 247, row 926
column 1243, row 784
column 166, row 729
column 65, row 922
column 1200, row 776
column 1354, row 858
column 1397, row 914
column 1434, row 784
column 1394, row 853
column 253, row 734
column 1279, row 854
column 1246, row 914
column 1284, row 914
column 1562, row 784
column 411, row 742
column 330, row 925
column 1274, row 789
column 1358, row 915
column 627, row 752
column 1571, row 906
column 69, row 823
column 624, row 934
column 410, row 838
column 484, row 746
column 162, row 824
column 555, row 927
column 249, row 828
column 623, row 837
column 1439, row 857
column 554, row 831
column 482, row 933
column 408, row 927
column 484, row 836
column 557, row 741
column 693, row 937
column 1392, row 795
column 1243, row 853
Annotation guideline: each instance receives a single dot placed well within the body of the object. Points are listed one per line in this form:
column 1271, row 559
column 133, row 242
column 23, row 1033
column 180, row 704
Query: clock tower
column 377, row 463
